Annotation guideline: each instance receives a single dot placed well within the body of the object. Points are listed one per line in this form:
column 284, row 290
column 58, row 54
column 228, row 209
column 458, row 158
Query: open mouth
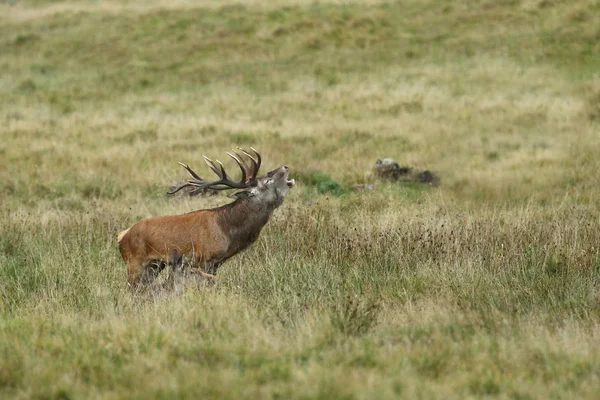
column 290, row 182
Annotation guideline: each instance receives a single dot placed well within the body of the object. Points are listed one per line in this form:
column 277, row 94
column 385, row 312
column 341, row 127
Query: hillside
column 486, row 284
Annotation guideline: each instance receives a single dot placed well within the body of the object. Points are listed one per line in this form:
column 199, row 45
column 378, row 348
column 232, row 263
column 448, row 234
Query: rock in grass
column 389, row 170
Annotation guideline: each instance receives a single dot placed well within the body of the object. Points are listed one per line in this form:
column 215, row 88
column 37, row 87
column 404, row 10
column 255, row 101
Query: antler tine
column 241, row 159
column 249, row 169
column 240, row 163
column 178, row 188
column 257, row 156
column 212, row 166
column 255, row 161
column 191, row 171
column 247, row 154
column 224, row 175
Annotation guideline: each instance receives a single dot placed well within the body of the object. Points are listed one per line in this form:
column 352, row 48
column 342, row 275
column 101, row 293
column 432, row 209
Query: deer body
column 206, row 238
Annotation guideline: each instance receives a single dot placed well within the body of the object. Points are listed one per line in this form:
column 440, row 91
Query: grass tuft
column 355, row 315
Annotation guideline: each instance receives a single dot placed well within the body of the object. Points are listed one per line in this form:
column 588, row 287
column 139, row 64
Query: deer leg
column 176, row 260
column 135, row 270
column 212, row 267
column 134, row 260
column 176, row 264
column 151, row 270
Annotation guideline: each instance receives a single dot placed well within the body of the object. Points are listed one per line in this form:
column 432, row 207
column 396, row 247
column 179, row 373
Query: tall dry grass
column 486, row 285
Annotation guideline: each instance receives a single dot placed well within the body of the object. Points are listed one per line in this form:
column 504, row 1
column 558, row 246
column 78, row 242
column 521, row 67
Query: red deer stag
column 206, row 238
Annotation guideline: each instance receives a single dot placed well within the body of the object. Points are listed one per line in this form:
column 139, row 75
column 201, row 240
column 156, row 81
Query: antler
column 224, row 182
column 252, row 170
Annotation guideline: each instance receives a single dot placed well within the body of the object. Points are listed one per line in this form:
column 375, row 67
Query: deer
column 206, row 238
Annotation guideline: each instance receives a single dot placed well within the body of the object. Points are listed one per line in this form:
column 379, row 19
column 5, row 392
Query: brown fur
column 208, row 237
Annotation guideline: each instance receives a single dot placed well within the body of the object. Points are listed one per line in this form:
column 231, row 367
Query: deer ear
column 242, row 194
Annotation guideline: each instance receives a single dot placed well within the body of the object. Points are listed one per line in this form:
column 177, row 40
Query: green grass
column 486, row 285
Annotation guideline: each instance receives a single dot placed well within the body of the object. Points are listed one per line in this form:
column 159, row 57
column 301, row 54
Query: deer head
column 268, row 190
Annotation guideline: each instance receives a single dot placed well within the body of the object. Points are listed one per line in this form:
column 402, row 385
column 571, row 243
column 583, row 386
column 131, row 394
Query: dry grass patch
column 487, row 285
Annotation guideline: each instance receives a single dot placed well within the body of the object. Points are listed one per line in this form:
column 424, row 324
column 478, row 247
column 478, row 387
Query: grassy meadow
column 485, row 285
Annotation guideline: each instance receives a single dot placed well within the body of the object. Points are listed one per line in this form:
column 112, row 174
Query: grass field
column 486, row 285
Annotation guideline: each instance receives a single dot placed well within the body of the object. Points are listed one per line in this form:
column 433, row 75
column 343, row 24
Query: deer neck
column 242, row 221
